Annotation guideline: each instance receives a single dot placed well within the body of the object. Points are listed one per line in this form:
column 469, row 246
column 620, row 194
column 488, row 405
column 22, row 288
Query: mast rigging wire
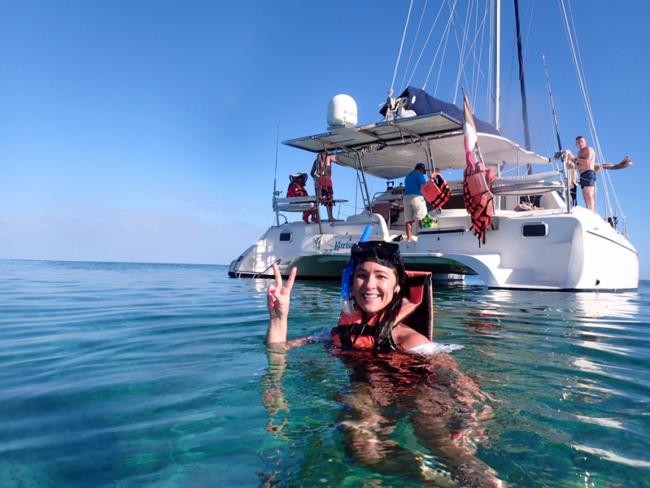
column 606, row 177
column 522, row 83
column 579, row 69
column 442, row 4
column 488, row 87
column 444, row 52
column 471, row 51
column 445, row 35
column 413, row 47
column 530, row 23
column 400, row 49
column 461, row 49
column 480, row 58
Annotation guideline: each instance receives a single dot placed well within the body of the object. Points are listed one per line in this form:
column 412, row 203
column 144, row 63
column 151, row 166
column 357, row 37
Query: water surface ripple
column 116, row 374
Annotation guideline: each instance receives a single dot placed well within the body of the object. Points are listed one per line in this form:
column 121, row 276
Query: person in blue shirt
column 415, row 207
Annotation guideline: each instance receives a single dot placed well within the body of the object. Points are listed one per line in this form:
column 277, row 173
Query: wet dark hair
column 580, row 137
column 385, row 254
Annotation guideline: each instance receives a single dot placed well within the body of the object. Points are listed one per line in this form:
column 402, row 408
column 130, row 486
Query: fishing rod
column 275, row 179
column 559, row 142
column 550, row 94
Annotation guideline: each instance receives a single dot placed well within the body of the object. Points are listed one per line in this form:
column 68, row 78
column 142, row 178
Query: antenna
column 275, row 179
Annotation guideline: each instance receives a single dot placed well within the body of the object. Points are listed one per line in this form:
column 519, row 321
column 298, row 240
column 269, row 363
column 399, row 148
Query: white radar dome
column 342, row 110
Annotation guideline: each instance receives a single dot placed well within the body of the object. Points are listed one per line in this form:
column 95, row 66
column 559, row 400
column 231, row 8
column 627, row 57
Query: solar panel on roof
column 353, row 137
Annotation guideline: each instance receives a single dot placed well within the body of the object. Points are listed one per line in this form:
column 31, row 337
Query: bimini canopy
column 391, row 149
column 392, row 162
column 422, row 103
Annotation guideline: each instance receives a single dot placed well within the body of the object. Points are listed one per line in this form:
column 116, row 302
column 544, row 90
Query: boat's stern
column 316, row 254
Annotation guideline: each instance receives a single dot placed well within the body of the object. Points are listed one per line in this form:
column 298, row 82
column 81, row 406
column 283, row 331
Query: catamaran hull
column 544, row 250
column 324, row 256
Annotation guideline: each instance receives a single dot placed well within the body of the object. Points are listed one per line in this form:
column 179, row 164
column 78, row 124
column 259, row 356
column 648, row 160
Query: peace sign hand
column 279, row 296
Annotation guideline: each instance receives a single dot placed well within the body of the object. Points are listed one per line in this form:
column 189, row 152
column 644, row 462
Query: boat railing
column 374, row 219
column 295, row 204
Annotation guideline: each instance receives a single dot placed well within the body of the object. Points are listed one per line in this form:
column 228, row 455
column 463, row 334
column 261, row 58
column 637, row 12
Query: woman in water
column 398, row 373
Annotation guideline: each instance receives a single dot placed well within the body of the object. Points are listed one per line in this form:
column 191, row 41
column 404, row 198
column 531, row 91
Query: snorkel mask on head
column 385, row 253
column 346, row 306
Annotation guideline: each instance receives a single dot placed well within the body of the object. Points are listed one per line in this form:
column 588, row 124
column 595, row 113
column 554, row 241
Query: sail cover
column 422, row 103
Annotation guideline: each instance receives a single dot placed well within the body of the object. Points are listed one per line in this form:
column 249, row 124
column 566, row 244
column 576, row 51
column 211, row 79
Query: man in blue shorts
column 586, row 165
column 415, row 207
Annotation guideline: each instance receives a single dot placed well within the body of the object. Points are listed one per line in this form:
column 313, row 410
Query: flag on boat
column 476, row 179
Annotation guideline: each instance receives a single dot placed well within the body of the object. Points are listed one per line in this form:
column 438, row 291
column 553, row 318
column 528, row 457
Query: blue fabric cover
column 426, row 104
column 412, row 183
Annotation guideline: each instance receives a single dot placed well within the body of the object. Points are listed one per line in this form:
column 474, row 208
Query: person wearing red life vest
column 395, row 377
column 297, row 189
column 382, row 291
column 321, row 171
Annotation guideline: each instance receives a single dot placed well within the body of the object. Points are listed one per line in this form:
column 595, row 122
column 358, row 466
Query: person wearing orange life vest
column 415, row 207
column 382, row 290
column 386, row 344
column 297, row 189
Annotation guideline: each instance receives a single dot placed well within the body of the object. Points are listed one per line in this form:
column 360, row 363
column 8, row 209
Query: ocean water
column 120, row 375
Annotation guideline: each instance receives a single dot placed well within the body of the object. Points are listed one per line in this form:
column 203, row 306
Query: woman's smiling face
column 374, row 286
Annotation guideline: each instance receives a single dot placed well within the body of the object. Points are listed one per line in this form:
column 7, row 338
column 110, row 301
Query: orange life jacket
column 436, row 191
column 416, row 313
column 296, row 190
column 478, row 197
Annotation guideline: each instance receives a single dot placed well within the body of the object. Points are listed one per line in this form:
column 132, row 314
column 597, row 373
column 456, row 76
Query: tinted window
column 535, row 230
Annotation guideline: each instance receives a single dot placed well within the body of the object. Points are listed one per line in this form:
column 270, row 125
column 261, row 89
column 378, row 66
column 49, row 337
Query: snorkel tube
column 346, row 306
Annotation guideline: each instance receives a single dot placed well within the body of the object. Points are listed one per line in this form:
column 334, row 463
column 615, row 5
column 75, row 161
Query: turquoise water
column 156, row 375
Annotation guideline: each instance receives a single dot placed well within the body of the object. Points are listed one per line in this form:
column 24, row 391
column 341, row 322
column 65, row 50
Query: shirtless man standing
column 586, row 164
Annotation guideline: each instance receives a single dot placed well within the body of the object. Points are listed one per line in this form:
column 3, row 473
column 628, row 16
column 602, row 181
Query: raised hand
column 278, row 300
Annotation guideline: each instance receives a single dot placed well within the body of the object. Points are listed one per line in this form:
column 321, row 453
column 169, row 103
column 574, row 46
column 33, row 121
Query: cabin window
column 538, row 229
column 285, row 236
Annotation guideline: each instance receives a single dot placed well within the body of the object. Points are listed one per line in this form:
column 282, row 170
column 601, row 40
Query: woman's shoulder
column 407, row 338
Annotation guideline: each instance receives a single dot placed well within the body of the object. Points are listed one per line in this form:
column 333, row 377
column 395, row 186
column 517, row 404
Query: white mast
column 496, row 56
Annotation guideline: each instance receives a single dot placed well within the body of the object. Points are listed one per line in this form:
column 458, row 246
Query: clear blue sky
column 145, row 131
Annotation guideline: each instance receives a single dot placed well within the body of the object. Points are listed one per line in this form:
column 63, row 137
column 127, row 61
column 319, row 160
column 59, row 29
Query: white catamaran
column 556, row 247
